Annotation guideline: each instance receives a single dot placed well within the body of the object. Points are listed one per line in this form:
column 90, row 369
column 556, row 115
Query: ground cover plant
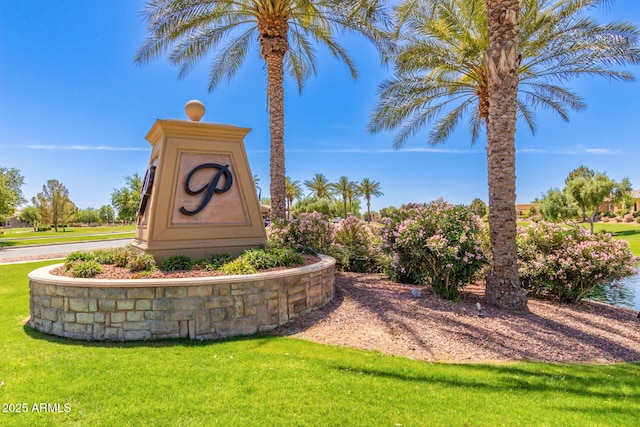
column 279, row 381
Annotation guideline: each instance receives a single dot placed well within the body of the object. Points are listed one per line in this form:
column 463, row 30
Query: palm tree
column 502, row 61
column 369, row 188
column 345, row 188
column 441, row 75
column 319, row 186
column 256, row 183
column 293, row 191
column 285, row 31
column 491, row 62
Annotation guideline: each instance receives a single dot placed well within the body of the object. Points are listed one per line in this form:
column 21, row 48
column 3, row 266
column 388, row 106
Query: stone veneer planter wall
column 197, row 308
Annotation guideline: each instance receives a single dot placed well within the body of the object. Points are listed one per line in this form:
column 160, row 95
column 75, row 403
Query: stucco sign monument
column 198, row 196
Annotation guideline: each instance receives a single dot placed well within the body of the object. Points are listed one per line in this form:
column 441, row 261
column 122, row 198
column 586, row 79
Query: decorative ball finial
column 194, row 109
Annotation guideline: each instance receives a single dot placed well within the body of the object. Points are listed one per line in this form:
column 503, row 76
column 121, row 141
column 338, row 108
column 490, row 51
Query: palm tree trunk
column 368, row 209
column 275, row 94
column 502, row 283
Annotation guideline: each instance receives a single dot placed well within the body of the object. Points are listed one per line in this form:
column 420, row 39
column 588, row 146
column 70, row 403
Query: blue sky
column 74, row 107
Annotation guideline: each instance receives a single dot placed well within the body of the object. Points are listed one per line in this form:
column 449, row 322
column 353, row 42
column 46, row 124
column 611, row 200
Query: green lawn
column 284, row 382
column 26, row 236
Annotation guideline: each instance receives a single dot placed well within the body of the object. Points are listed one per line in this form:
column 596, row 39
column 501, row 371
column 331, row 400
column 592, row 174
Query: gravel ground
column 372, row 313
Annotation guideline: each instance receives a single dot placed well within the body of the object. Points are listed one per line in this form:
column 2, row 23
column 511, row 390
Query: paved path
column 29, row 253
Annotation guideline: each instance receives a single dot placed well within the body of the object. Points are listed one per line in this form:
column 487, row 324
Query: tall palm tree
column 285, row 31
column 293, row 191
column 345, row 188
column 319, row 186
column 502, row 61
column 369, row 188
column 492, row 61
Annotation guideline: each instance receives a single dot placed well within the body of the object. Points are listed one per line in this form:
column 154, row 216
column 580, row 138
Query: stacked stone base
column 196, row 308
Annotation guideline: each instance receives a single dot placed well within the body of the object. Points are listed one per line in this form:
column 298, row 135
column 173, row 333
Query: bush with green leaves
column 436, row 244
column 568, row 262
column 215, row 261
column 176, row 263
column 237, row 266
column 86, row 269
column 141, row 262
column 262, row 259
column 80, row 256
column 105, row 256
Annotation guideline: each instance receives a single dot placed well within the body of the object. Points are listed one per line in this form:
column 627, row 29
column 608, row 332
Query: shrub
column 628, row 218
column 262, row 259
column 175, row 263
column 312, row 232
column 141, row 262
column 121, row 256
column 85, row 269
column 638, row 219
column 215, row 261
column 104, row 256
column 237, row 266
column 357, row 246
column 567, row 263
column 80, row 256
column 437, row 243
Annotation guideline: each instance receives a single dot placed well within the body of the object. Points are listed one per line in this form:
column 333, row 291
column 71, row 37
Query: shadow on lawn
column 626, row 232
column 613, row 381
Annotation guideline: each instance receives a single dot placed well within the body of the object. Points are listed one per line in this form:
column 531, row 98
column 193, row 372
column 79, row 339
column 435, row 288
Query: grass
column 282, row 381
column 12, row 237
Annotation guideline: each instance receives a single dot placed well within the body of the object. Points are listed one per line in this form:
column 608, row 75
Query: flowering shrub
column 313, row 231
column 567, row 263
column 357, row 246
column 437, row 243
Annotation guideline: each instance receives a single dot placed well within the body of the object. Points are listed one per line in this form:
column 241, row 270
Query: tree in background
column 478, row 207
column 344, row 188
column 369, row 188
column 622, row 194
column 556, row 206
column 319, row 186
column 54, row 205
column 294, row 192
column 107, row 214
column 31, row 215
column 88, row 216
column 590, row 193
column 285, row 31
column 126, row 200
column 580, row 171
column 11, row 182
